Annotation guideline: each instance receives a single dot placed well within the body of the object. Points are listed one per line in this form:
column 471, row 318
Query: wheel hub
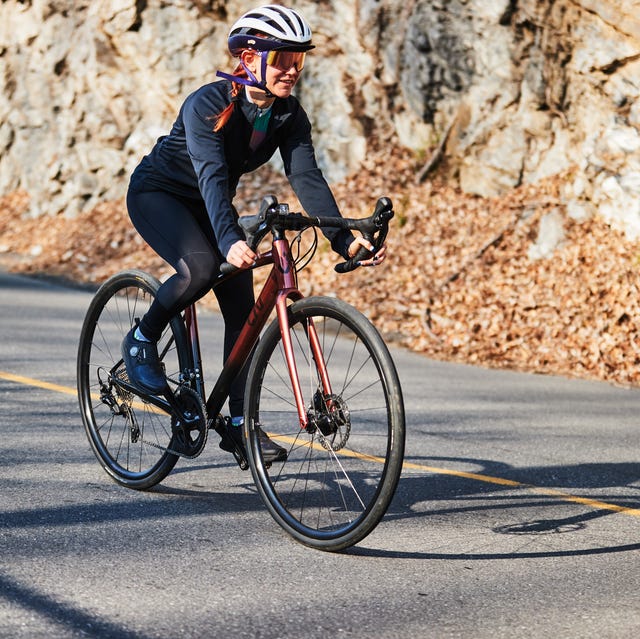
column 330, row 416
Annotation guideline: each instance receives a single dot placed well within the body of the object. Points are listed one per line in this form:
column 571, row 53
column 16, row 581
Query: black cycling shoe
column 142, row 363
column 271, row 452
column 232, row 437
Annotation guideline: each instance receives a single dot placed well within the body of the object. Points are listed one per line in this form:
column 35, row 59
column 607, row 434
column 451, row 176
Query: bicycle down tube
column 279, row 287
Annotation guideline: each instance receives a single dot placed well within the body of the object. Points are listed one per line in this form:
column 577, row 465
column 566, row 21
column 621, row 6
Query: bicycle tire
column 129, row 437
column 333, row 488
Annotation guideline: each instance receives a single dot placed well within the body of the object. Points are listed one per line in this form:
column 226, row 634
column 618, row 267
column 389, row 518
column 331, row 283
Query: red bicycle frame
column 280, row 286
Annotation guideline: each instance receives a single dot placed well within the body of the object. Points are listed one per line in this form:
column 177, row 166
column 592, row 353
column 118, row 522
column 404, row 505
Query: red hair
column 223, row 117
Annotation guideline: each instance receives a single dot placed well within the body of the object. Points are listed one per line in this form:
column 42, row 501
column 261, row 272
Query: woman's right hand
column 240, row 255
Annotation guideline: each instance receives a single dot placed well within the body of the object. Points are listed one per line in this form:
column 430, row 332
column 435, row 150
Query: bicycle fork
column 316, row 355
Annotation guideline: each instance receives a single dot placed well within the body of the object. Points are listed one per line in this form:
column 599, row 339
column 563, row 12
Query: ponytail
column 223, row 117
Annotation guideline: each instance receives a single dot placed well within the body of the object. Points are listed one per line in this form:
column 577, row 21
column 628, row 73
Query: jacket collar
column 280, row 112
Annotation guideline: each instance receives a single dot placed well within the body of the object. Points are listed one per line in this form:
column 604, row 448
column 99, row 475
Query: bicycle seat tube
column 191, row 323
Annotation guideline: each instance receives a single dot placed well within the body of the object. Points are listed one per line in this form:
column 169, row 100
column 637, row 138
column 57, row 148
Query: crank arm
column 227, row 443
column 176, row 408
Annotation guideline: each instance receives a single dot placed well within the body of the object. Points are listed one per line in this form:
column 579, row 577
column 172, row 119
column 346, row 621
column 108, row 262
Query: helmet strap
column 250, row 80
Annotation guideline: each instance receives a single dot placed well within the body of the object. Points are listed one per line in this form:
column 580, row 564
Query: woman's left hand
column 240, row 255
column 374, row 260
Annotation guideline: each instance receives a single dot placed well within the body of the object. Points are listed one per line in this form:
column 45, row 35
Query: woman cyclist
column 180, row 195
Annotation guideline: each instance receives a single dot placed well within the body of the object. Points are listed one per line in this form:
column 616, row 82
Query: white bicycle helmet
column 268, row 28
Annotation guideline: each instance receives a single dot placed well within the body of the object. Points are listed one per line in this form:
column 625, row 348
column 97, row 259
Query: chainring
column 190, row 434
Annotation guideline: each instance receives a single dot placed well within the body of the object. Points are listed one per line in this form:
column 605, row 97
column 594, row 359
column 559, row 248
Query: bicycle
column 321, row 383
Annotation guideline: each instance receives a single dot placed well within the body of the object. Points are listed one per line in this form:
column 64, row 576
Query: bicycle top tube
column 276, row 218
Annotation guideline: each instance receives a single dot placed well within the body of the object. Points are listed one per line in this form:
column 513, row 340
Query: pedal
column 240, row 458
column 229, row 443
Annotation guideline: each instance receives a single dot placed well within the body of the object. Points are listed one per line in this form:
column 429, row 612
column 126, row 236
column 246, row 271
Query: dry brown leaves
column 458, row 284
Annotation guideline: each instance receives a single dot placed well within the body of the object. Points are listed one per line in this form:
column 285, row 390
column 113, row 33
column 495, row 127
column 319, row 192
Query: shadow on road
column 63, row 615
column 466, row 496
column 448, row 497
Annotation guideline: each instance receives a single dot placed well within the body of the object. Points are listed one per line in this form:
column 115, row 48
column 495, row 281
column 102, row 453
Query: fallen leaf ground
column 459, row 284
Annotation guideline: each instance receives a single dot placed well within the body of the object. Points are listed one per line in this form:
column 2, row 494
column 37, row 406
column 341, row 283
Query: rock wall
column 512, row 90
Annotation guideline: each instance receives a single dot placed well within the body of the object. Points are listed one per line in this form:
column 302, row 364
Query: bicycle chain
column 176, row 452
column 165, row 449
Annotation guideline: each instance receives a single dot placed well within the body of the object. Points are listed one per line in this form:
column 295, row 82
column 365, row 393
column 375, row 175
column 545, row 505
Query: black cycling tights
column 179, row 231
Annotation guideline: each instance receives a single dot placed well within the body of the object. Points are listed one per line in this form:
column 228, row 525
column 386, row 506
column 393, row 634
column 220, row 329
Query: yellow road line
column 37, row 383
column 487, row 479
column 547, row 492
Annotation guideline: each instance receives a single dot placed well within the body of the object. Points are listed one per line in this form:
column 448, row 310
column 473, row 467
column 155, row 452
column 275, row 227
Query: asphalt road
column 518, row 514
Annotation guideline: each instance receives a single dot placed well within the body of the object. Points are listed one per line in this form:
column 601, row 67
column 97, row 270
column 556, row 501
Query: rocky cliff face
column 511, row 91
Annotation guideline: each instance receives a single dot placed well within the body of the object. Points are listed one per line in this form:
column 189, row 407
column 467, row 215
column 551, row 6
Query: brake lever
column 255, row 227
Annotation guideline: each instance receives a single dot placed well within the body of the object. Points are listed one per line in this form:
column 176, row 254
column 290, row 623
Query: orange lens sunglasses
column 284, row 60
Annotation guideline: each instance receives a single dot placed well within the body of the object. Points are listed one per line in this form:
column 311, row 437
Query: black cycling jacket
column 195, row 162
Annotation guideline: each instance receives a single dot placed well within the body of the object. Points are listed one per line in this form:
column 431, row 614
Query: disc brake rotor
column 330, row 418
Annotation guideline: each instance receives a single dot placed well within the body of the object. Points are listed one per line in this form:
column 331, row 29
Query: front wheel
column 342, row 469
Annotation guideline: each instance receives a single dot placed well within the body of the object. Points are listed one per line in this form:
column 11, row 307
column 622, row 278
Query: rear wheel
column 341, row 472
column 129, row 436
